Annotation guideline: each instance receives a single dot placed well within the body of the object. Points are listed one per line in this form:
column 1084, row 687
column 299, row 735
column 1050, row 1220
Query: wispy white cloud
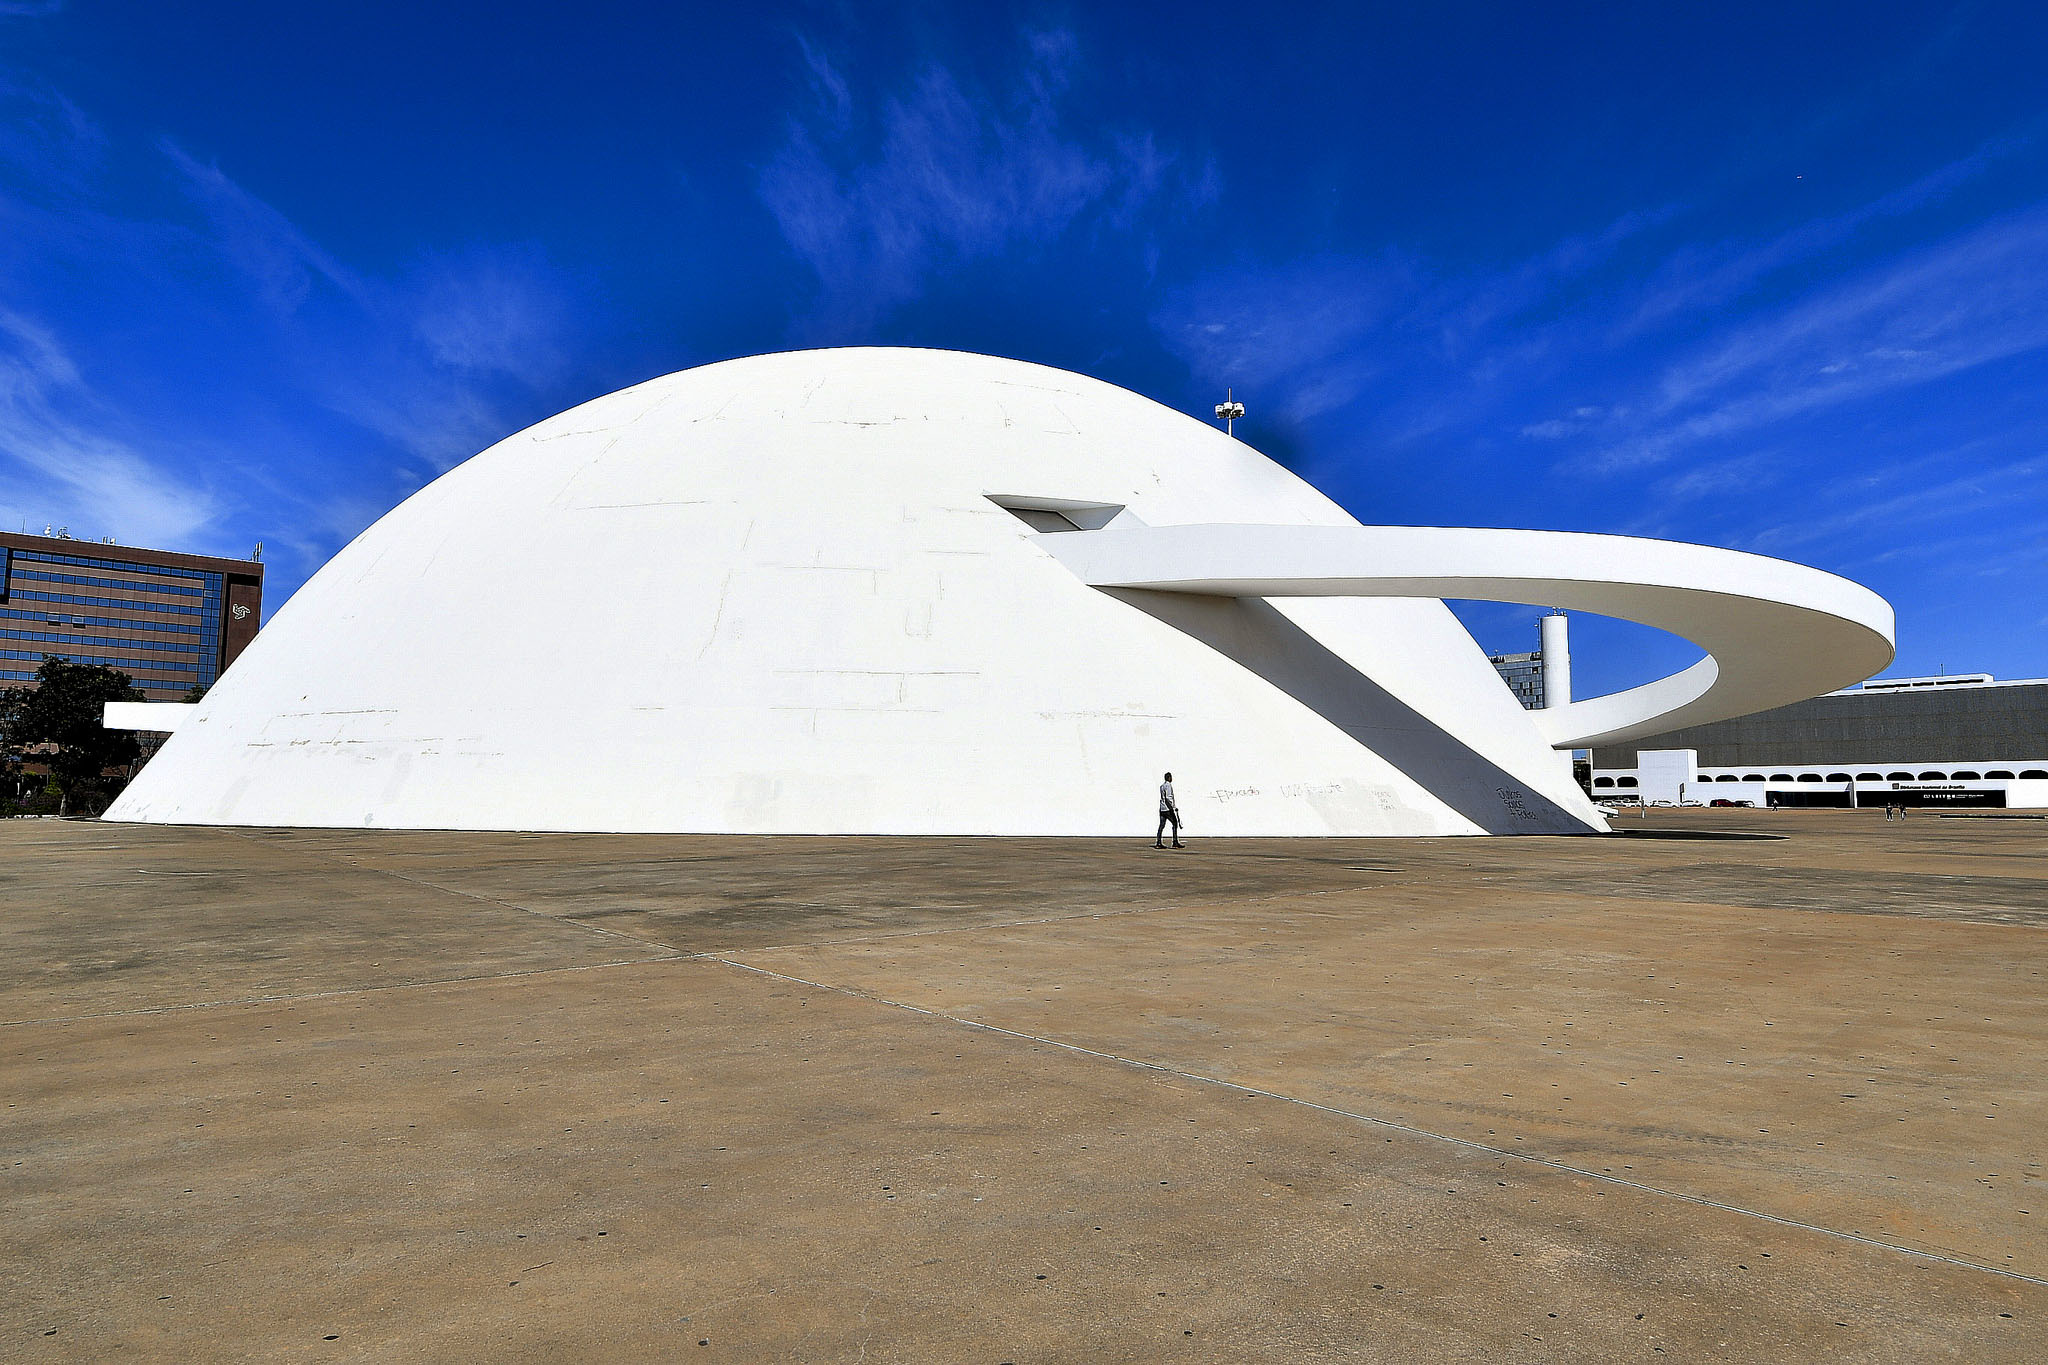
column 1318, row 334
column 342, row 388
column 1969, row 301
column 1302, row 334
column 67, row 464
column 948, row 176
column 1557, row 428
column 281, row 261
column 1432, row 350
column 423, row 360
column 482, row 311
column 1896, row 503
column 490, row 311
column 1694, row 279
column 44, row 137
column 1737, row 476
column 834, row 97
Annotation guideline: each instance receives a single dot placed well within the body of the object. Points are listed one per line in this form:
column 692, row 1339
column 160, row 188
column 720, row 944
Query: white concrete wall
column 158, row 717
column 1667, row 776
column 2029, row 794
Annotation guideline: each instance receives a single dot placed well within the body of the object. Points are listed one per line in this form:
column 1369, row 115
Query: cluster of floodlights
column 1229, row 410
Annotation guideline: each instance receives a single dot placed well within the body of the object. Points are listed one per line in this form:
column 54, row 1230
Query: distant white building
column 877, row 591
column 1956, row 740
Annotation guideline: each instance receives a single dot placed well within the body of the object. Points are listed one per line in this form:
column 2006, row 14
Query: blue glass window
column 140, row 626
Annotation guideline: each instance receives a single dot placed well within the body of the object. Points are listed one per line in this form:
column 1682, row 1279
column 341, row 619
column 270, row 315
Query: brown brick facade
column 169, row 620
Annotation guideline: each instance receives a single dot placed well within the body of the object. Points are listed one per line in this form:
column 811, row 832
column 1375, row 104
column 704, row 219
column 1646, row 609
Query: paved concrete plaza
column 314, row 1095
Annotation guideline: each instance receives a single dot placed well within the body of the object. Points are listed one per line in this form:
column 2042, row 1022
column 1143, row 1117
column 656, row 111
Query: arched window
column 2034, row 772
column 1870, row 777
column 1964, row 776
column 1781, row 777
column 1840, row 777
column 1725, row 777
column 1999, row 772
column 1809, row 777
column 1934, row 777
column 1752, row 777
column 1603, row 781
column 1627, row 782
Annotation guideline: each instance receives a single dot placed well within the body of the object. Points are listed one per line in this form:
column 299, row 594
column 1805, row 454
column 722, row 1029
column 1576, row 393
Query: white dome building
column 878, row 591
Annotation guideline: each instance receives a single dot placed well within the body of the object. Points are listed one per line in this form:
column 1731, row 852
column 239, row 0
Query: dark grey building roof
column 2002, row 720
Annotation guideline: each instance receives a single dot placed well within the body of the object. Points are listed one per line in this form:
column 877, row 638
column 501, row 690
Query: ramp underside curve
column 1774, row 632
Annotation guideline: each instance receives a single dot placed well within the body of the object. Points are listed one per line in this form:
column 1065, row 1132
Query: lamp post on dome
column 1229, row 410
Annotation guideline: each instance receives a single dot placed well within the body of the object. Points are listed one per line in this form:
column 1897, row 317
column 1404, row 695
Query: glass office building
column 170, row 621
column 1523, row 673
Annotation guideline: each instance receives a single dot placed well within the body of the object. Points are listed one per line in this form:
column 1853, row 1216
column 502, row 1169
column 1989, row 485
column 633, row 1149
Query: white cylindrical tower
column 1557, row 661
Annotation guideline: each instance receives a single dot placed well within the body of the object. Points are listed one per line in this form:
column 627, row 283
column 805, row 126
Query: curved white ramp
column 1774, row 632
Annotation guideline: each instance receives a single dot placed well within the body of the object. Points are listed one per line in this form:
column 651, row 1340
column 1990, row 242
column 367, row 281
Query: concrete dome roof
column 810, row 592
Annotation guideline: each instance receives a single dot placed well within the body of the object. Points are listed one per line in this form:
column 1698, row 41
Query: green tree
column 62, row 716
column 11, row 777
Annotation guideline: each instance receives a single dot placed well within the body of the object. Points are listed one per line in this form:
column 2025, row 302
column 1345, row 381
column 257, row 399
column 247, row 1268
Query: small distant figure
column 1169, row 810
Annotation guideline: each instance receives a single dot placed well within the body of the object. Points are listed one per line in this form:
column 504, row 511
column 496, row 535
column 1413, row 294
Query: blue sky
column 1766, row 279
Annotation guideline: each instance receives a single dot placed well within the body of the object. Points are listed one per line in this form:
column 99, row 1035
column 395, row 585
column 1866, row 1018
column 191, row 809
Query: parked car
column 1724, row 801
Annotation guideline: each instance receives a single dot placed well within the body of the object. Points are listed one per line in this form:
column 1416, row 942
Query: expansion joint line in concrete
column 467, row 895
column 292, row 997
column 1466, row 1143
column 1077, row 917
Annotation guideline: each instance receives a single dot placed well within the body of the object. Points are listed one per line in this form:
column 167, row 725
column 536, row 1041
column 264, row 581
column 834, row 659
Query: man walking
column 1169, row 810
